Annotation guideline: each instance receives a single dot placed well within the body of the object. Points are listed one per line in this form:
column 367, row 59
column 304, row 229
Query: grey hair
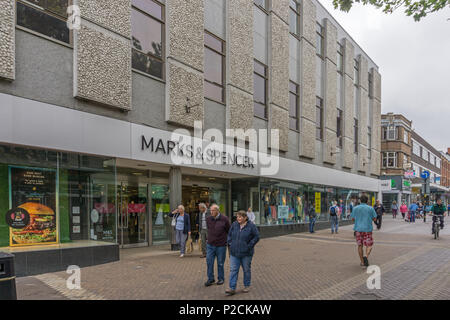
column 202, row 205
column 215, row 205
column 181, row 207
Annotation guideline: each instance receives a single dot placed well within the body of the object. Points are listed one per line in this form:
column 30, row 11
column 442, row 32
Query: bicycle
column 436, row 226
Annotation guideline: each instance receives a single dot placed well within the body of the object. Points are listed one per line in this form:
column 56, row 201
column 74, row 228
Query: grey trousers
column 181, row 240
column 204, row 236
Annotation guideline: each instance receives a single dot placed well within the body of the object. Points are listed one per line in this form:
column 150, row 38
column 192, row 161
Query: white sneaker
column 181, row 255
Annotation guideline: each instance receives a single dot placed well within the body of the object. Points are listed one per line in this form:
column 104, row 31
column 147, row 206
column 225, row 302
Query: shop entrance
column 132, row 214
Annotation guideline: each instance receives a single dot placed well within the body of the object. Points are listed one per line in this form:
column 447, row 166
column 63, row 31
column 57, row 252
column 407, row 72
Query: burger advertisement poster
column 32, row 199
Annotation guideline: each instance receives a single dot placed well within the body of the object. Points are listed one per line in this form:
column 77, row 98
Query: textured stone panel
column 363, row 161
column 330, row 41
column 331, row 96
column 363, row 115
column 183, row 84
column 376, row 131
column 279, row 66
column 102, row 68
column 7, row 39
column 240, row 44
column 364, row 73
column 330, row 146
column 376, row 84
column 240, row 105
column 114, row 15
column 308, row 81
column 281, row 8
column 307, row 138
column 308, row 21
column 376, row 162
column 185, row 28
column 349, row 153
column 280, row 120
column 349, row 54
column 349, row 109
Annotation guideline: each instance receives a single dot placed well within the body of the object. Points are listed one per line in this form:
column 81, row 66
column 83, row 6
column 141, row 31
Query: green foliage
column 417, row 9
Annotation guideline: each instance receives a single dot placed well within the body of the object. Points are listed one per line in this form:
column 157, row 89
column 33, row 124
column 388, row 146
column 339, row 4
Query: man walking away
column 312, row 217
column 394, row 208
column 363, row 215
column 218, row 226
column 202, row 227
column 334, row 217
column 379, row 209
column 412, row 212
column 438, row 211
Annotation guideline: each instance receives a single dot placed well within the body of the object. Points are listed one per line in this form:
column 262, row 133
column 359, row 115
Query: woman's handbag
column 174, row 221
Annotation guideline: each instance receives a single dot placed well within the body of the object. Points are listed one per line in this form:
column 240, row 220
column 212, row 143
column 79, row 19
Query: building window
column 369, row 142
column 391, row 132
column 355, row 132
column 405, row 137
column 319, row 40
column 339, row 127
column 340, row 58
column 370, row 85
column 389, row 159
column 214, row 68
column 294, row 98
column 45, row 17
column 356, row 73
column 294, row 17
column 147, row 31
column 260, row 89
column 319, row 118
column 262, row 3
column 416, row 148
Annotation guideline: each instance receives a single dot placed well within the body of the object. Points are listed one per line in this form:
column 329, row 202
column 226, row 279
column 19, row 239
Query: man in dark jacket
column 242, row 239
column 438, row 211
column 218, row 226
column 312, row 216
column 201, row 225
column 379, row 209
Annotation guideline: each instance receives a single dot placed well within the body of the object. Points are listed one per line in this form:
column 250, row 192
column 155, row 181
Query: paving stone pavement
column 290, row 267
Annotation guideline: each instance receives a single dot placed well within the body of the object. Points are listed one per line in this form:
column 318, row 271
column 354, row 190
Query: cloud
column 414, row 62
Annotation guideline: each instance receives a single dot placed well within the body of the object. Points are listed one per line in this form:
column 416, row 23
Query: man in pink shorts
column 363, row 215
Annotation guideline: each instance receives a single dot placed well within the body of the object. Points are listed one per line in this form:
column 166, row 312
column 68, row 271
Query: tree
column 417, row 9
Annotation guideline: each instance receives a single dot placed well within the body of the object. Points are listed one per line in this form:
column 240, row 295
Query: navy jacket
column 242, row 242
column 187, row 222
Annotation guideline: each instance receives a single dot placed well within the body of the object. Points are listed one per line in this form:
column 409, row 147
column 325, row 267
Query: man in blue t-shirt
column 363, row 215
column 412, row 211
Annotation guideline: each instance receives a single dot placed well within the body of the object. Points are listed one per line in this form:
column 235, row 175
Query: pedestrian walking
column 394, row 208
column 202, row 227
column 334, row 211
column 379, row 209
column 312, row 217
column 242, row 238
column 363, row 215
column 420, row 210
column 218, row 226
column 412, row 211
column 438, row 211
column 403, row 209
column 251, row 215
column 182, row 225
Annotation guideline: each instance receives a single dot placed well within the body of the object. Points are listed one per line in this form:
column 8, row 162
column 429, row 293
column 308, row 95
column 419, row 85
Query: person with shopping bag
column 182, row 226
column 202, row 227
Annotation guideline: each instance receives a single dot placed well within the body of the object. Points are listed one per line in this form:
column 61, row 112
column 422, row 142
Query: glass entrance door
column 132, row 214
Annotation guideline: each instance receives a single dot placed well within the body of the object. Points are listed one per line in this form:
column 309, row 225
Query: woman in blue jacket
column 242, row 237
column 182, row 227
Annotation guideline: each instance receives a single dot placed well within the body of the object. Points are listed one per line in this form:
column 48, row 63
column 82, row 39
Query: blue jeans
column 412, row 216
column 235, row 264
column 312, row 222
column 334, row 223
column 211, row 253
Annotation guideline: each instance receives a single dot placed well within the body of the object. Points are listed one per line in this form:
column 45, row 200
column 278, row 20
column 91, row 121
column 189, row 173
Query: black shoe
column 209, row 283
column 220, row 282
column 366, row 261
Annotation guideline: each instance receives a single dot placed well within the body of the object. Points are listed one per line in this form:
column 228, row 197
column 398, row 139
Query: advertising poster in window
column 318, row 202
column 34, row 191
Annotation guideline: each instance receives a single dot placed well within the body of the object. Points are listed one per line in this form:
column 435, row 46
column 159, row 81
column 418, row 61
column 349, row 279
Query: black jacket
column 187, row 222
column 198, row 219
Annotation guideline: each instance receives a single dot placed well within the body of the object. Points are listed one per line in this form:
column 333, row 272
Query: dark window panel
column 146, row 33
column 213, row 42
column 43, row 23
column 213, row 91
column 147, row 64
column 213, row 66
column 293, row 87
column 292, row 105
column 293, row 123
column 150, row 7
column 260, row 68
column 57, row 6
column 259, row 110
column 259, row 84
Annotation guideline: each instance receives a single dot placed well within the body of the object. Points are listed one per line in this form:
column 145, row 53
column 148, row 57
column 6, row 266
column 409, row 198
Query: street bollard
column 7, row 277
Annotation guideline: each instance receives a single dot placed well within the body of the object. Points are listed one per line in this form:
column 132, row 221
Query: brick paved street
column 297, row 266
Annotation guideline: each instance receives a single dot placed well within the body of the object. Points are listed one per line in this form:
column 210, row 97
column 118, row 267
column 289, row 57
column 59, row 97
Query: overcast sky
column 414, row 63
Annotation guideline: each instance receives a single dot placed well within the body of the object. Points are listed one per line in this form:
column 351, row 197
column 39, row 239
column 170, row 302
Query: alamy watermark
column 374, row 281
column 74, row 17
column 74, row 281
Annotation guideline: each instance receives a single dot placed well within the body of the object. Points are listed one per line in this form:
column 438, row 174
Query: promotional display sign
column 32, row 199
column 283, row 212
column 318, row 208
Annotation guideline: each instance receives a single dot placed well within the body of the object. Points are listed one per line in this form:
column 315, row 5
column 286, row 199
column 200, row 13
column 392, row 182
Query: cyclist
column 438, row 210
